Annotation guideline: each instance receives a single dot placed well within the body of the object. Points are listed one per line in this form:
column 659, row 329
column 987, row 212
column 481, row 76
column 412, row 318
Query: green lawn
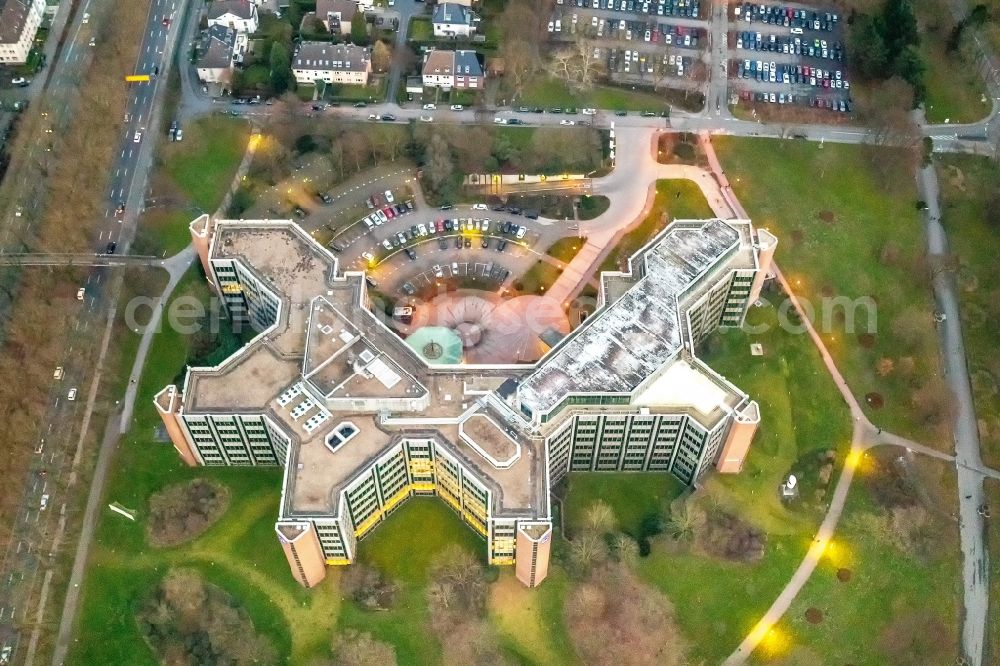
column 203, row 164
column 992, row 489
column 802, row 414
column 966, row 182
column 421, row 29
column 631, row 496
column 239, row 553
column 919, row 595
column 675, row 199
column 538, row 278
column 530, row 621
column 955, row 90
column 554, row 93
column 163, row 232
column 403, row 548
column 348, row 93
column 848, row 227
column 565, row 249
column 593, row 206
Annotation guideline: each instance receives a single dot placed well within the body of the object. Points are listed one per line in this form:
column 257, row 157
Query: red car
column 389, row 212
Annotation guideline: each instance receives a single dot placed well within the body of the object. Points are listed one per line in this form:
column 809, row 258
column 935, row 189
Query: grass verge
column 851, row 244
column 969, row 186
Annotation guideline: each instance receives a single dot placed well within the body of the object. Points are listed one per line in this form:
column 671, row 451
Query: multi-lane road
column 26, row 567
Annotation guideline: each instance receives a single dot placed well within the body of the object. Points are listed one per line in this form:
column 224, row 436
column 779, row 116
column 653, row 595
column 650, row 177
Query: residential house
column 336, row 15
column 240, row 15
column 453, row 20
column 453, row 69
column 19, row 22
column 221, row 47
column 332, row 63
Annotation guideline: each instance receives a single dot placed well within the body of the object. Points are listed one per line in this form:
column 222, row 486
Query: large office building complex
column 361, row 423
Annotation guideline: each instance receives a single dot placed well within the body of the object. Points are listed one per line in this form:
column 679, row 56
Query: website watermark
column 484, row 314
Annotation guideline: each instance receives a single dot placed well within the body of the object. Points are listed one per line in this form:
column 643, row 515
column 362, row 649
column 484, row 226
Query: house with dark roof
column 453, row 20
column 240, row 15
column 453, row 69
column 332, row 63
column 336, row 15
column 19, row 22
column 220, row 47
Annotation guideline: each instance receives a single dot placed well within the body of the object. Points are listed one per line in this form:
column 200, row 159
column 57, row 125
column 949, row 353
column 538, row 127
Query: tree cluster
column 368, row 587
column 179, row 513
column 613, row 618
column 448, row 153
column 886, row 45
column 978, row 16
column 358, row 648
column 189, row 621
column 522, row 28
column 457, row 598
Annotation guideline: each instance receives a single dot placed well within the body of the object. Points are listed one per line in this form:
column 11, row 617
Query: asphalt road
column 60, row 444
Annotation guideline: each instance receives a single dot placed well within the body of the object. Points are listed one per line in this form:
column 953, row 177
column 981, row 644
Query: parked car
column 521, row 231
column 71, row 396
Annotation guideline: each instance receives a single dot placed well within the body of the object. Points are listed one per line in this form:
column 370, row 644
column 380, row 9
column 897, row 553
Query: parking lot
column 634, row 42
column 788, row 54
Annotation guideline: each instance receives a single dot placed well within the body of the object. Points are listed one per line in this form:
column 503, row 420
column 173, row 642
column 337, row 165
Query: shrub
column 181, row 512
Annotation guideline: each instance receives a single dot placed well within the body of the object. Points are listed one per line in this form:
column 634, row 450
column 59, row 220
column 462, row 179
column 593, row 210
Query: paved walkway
column 975, row 557
column 631, row 188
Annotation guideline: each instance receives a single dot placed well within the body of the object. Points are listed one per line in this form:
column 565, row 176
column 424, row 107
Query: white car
column 368, row 256
column 80, row 293
column 485, row 226
column 430, row 107
column 422, row 229
column 499, row 121
column 588, row 112
column 457, row 107
column 137, row 138
column 480, row 206
column 566, row 122
column 86, row 18
column 388, row 196
column 454, row 268
column 93, row 41
column 426, row 119
column 58, row 374
column 44, row 503
column 19, row 81
column 438, row 270
column 593, row 22
column 369, row 223
column 71, row 396
column 379, row 217
column 387, row 244
column 521, row 231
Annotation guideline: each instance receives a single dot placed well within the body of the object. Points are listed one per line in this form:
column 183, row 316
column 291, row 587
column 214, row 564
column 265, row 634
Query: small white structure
column 790, row 488
column 240, row 15
column 453, row 20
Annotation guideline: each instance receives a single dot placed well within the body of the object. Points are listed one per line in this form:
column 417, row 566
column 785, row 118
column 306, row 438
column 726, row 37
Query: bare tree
column 576, row 65
column 685, row 520
column 600, row 517
column 355, row 648
column 381, row 57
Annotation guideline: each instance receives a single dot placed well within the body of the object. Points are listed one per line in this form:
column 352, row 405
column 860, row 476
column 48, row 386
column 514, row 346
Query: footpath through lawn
column 851, row 242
